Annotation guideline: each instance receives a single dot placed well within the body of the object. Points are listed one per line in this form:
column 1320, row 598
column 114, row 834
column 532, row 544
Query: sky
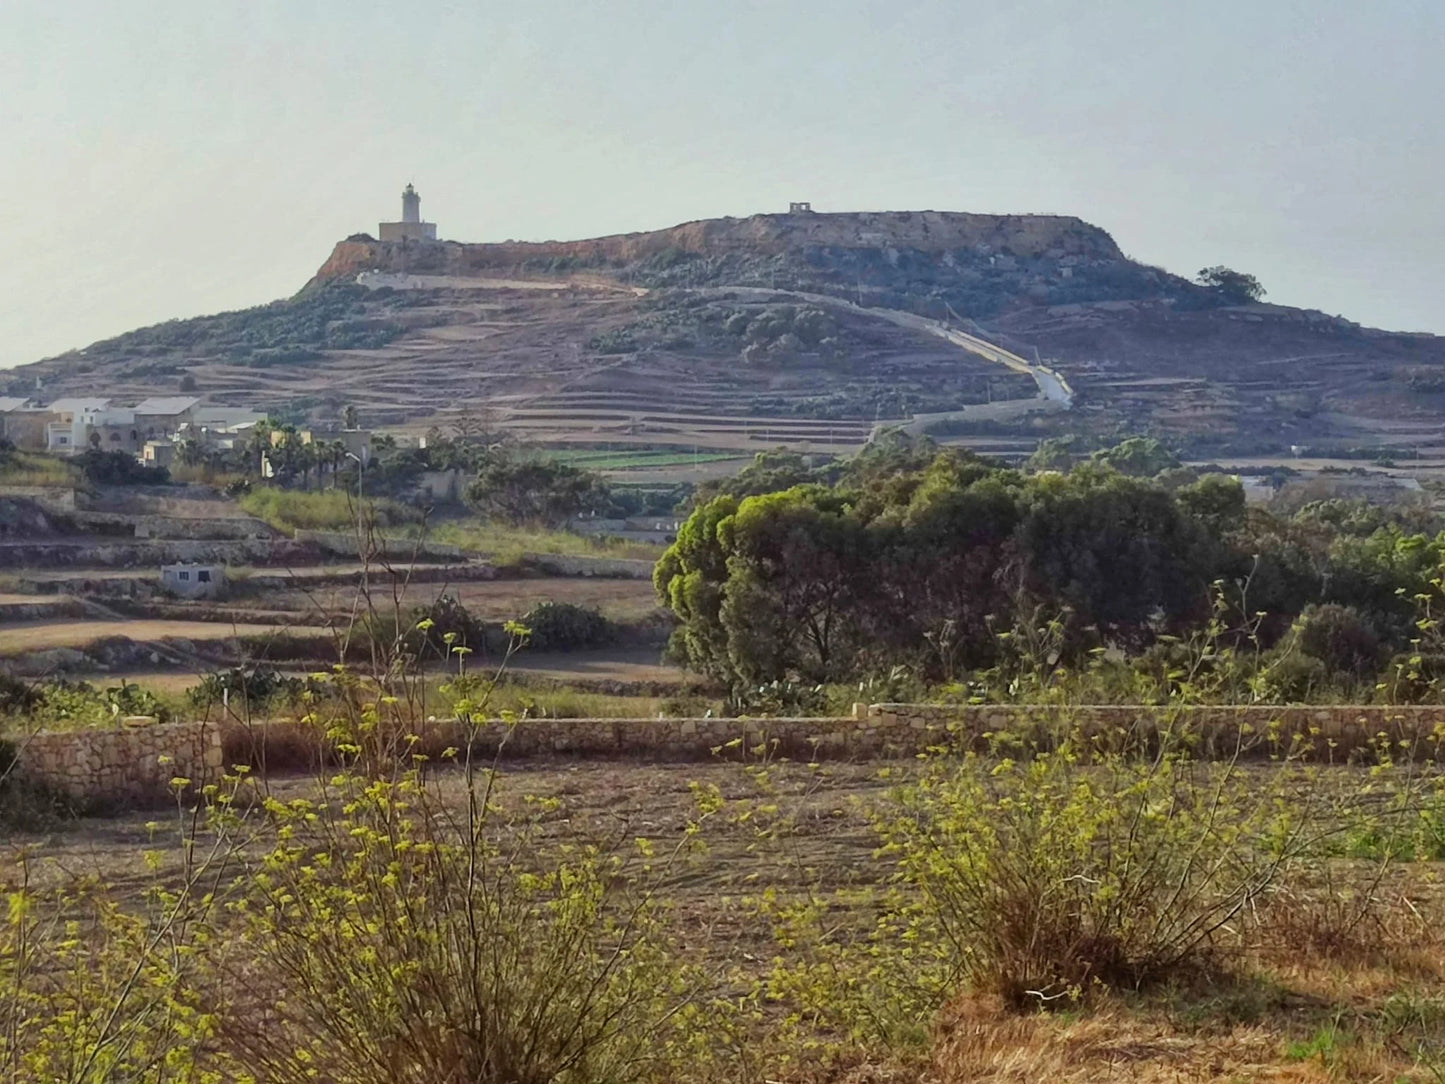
column 167, row 158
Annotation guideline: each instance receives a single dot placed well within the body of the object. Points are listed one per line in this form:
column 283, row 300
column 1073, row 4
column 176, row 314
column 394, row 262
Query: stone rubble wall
column 128, row 765
column 345, row 544
column 121, row 765
column 883, row 731
column 618, row 568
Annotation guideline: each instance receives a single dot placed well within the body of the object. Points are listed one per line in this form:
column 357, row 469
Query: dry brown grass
column 981, row 1042
column 21, row 637
column 1340, row 979
column 1333, row 986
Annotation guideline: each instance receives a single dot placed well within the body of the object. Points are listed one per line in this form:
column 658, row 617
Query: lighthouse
column 411, row 227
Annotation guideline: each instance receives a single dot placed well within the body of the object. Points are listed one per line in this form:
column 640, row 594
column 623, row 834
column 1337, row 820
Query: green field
column 597, row 459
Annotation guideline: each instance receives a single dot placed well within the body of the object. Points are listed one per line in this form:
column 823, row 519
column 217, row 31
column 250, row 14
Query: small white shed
column 194, row 580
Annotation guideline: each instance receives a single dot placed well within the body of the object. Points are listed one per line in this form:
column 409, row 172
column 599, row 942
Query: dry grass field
column 1311, row 1001
column 26, row 636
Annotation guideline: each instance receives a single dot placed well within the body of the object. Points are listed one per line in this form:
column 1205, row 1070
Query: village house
column 23, row 423
column 162, row 417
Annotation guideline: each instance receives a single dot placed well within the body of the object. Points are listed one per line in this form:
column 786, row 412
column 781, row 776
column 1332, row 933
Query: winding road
column 1054, row 391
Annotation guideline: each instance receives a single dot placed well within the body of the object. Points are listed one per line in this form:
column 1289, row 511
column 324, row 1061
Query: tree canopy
column 935, row 567
column 1236, row 287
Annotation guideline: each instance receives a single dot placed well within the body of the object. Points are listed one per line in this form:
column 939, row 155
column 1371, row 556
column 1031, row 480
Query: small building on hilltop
column 411, row 227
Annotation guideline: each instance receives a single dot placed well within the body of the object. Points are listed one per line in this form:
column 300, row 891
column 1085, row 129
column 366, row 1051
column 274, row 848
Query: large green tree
column 534, row 491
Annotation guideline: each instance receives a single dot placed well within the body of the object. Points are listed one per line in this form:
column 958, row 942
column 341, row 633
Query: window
column 115, row 437
column 183, row 575
column 204, row 576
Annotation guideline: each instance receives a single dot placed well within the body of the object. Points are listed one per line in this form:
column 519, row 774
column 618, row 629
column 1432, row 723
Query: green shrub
column 565, row 626
column 80, row 703
column 445, row 625
column 1340, row 638
column 119, row 469
column 251, row 687
column 1065, row 870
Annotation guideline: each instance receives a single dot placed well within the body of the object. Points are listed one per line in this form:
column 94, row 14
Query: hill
column 802, row 328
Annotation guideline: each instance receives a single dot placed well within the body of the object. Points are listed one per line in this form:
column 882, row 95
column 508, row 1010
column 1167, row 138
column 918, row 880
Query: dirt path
column 25, row 636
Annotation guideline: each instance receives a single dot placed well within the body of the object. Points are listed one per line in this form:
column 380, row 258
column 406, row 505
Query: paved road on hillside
column 1054, row 391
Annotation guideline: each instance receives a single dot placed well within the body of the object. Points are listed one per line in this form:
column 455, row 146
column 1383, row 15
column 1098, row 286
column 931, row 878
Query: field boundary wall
column 138, row 764
column 126, row 765
column 883, row 731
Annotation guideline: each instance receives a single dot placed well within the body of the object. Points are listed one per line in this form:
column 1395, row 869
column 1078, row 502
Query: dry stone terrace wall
column 622, row 568
column 122, row 765
column 134, row 765
column 882, row 731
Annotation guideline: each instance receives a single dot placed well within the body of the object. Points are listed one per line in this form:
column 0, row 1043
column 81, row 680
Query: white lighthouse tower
column 411, row 227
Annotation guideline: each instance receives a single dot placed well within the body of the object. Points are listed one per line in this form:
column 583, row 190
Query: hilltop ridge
column 805, row 328
column 933, row 232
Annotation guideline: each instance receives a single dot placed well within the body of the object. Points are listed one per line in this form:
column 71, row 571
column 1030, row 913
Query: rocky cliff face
column 933, row 233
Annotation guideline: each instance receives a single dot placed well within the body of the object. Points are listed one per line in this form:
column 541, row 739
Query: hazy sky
column 165, row 159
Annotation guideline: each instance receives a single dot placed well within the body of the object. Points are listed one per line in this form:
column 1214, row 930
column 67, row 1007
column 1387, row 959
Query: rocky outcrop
column 1008, row 237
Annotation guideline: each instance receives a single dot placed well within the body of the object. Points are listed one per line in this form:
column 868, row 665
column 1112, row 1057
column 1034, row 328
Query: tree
column 1216, row 500
column 530, row 491
column 191, row 453
column 1053, row 453
column 797, row 581
column 689, row 580
column 350, row 418
column 1233, row 287
column 1138, row 457
column 769, row 472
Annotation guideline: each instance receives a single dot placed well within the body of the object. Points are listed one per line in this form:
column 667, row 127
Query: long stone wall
column 122, row 765
column 557, row 564
column 130, row 765
column 882, row 731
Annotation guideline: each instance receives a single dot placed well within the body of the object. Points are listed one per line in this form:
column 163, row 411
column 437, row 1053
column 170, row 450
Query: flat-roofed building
column 163, row 416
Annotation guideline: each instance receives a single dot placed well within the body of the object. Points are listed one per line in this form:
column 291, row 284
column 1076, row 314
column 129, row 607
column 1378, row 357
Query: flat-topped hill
column 933, row 232
column 805, row 329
